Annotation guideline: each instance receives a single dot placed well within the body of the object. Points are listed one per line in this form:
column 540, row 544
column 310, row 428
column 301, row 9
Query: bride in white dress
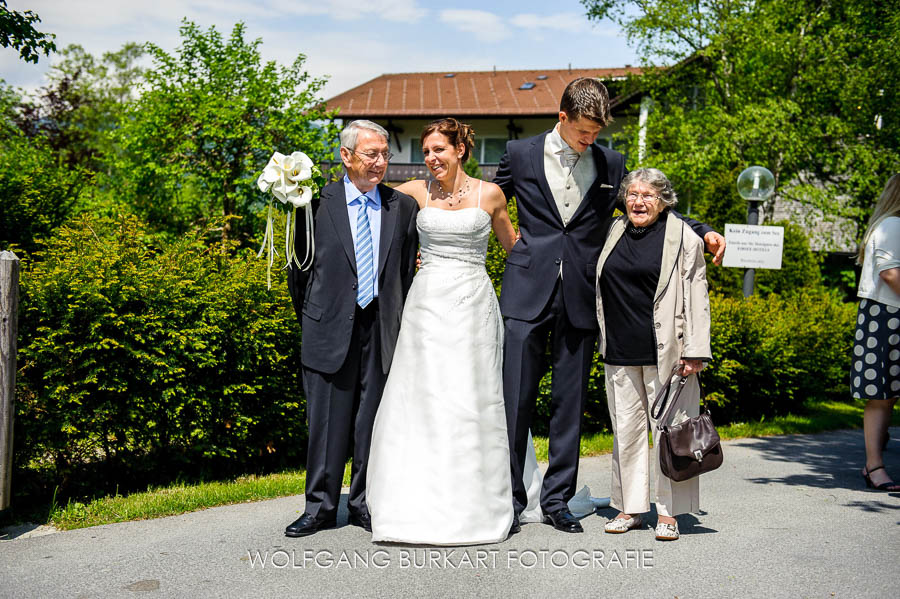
column 439, row 461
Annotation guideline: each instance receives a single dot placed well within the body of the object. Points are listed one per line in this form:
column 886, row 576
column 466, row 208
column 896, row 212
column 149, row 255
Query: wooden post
column 9, row 304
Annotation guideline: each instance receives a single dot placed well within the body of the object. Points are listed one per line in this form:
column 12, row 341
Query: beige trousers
column 630, row 391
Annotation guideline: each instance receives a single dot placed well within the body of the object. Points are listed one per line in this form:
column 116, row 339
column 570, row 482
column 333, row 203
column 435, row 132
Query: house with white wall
column 499, row 105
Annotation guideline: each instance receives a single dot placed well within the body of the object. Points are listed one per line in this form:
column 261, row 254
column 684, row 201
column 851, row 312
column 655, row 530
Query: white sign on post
column 753, row 246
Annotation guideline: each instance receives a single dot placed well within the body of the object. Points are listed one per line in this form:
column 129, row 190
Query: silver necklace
column 458, row 194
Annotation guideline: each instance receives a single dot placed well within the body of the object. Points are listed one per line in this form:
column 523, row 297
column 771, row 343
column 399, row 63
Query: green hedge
column 772, row 353
column 170, row 357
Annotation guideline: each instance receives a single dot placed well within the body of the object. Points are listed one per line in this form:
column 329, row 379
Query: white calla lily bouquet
column 291, row 180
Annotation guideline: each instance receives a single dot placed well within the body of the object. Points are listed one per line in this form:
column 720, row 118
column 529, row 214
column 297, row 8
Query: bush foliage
column 772, row 353
column 175, row 356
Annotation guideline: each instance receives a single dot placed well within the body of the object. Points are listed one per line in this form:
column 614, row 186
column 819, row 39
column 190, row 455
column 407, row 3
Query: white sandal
column 667, row 532
column 620, row 525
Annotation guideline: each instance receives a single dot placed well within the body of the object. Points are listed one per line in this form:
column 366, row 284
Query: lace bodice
column 453, row 235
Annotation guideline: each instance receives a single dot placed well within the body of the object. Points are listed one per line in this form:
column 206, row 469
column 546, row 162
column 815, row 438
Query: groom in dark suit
column 565, row 185
column 349, row 305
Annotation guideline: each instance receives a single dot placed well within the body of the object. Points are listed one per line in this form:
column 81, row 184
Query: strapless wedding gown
column 439, row 461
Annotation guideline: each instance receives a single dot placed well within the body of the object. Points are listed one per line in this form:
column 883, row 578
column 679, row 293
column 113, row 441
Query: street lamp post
column 755, row 184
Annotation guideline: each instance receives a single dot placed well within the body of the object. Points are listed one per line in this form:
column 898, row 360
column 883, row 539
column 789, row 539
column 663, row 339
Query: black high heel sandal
column 890, row 487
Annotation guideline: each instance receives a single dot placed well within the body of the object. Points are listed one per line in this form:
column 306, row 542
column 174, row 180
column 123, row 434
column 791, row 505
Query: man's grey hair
column 351, row 132
column 655, row 179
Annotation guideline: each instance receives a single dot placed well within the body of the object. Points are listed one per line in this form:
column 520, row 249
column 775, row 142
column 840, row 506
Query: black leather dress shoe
column 306, row 525
column 362, row 520
column 563, row 520
column 516, row 526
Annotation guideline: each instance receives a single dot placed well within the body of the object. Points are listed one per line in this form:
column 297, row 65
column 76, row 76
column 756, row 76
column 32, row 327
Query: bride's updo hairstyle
column 453, row 130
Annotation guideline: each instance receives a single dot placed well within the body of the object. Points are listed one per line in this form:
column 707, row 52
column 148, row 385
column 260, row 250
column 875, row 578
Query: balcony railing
column 398, row 172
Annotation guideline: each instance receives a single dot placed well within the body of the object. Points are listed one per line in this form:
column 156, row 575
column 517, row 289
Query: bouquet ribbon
column 289, row 179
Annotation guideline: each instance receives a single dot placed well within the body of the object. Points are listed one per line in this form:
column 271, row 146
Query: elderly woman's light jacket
column 681, row 320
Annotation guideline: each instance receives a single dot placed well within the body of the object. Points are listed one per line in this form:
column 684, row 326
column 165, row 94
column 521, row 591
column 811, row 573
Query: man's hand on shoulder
column 715, row 245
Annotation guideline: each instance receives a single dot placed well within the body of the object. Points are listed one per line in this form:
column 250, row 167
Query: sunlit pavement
column 783, row 517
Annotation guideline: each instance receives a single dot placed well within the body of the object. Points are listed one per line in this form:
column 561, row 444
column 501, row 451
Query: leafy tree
column 208, row 121
column 472, row 168
column 79, row 109
column 37, row 192
column 57, row 148
column 17, row 32
column 805, row 87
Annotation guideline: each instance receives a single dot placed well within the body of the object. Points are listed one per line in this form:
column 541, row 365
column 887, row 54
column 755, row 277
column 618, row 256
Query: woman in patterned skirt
column 875, row 373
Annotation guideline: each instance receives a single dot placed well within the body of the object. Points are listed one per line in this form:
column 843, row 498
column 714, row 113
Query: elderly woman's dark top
column 627, row 285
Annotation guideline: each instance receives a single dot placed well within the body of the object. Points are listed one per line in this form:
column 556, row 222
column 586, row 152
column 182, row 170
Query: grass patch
column 821, row 416
column 181, row 498
column 591, row 445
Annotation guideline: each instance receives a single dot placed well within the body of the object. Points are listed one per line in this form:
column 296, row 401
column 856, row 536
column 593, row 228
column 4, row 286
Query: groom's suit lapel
column 536, row 151
column 335, row 205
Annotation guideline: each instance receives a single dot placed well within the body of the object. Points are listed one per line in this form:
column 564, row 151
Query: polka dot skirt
column 875, row 372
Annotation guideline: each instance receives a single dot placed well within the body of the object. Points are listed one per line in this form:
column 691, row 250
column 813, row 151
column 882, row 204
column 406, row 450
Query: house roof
column 470, row 93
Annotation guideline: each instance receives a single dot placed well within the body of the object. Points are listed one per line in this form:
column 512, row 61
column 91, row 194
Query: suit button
column 569, row 186
column 658, row 325
column 558, row 260
column 565, row 232
column 354, row 285
column 351, row 318
column 660, row 346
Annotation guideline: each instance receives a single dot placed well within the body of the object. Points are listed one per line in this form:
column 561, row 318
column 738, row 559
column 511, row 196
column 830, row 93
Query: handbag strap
column 662, row 399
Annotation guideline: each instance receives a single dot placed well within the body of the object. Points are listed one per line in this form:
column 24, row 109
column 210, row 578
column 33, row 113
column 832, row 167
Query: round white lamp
column 755, row 184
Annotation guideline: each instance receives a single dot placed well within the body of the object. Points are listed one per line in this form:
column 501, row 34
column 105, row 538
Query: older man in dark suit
column 349, row 304
column 565, row 185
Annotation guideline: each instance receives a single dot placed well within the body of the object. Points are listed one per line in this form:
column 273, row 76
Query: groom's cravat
column 365, row 268
column 570, row 158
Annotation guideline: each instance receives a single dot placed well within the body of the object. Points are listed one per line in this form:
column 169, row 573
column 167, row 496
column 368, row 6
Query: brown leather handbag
column 691, row 447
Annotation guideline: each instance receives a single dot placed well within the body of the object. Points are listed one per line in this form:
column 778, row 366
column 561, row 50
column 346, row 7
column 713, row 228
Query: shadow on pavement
column 834, row 460
column 25, row 531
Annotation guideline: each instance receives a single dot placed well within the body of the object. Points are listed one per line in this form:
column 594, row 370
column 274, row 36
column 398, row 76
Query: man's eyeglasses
column 633, row 197
column 372, row 157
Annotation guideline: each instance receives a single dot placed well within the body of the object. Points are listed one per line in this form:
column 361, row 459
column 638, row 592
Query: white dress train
column 582, row 504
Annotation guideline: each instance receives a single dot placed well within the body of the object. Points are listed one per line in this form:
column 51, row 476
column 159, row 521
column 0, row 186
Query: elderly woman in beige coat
column 651, row 282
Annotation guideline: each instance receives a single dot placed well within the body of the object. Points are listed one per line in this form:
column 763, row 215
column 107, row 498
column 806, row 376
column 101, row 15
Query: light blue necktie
column 365, row 269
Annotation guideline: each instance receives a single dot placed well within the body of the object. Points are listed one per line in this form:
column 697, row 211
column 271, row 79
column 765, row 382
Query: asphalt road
column 784, row 517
